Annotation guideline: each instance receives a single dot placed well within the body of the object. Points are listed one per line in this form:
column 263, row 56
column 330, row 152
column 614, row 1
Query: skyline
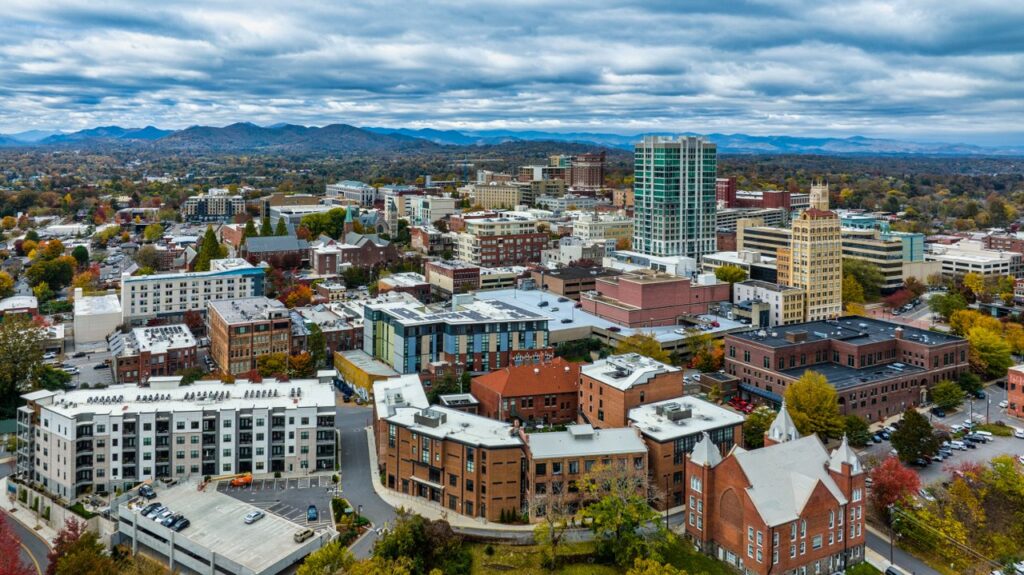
column 902, row 70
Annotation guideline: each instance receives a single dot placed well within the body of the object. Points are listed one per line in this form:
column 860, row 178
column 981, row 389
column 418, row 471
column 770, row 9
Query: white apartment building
column 425, row 210
column 171, row 295
column 214, row 206
column 969, row 256
column 105, row 439
column 96, row 317
column 614, row 227
column 353, row 190
column 785, row 304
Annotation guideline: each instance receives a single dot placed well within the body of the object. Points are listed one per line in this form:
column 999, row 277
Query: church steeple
column 782, row 429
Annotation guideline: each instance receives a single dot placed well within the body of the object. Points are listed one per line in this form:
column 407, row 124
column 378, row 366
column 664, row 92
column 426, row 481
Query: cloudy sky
column 913, row 69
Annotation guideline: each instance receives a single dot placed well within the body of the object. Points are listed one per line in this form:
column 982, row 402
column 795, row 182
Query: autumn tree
column 730, row 274
column 964, row 320
column 147, row 257
column 298, row 295
column 153, row 232
column 69, row 535
column 426, row 544
column 272, row 364
column 328, row 560
column 555, row 511
column 976, row 283
column 85, row 556
column 892, row 483
column 619, row 509
column 316, row 343
column 947, row 394
column 705, row 351
column 915, row 438
column 867, row 275
column 813, row 405
column 301, row 365
column 853, row 292
column 20, row 353
column 6, row 285
column 10, row 551
column 643, row 344
column 756, row 425
column 989, row 352
column 648, row 566
column 945, row 304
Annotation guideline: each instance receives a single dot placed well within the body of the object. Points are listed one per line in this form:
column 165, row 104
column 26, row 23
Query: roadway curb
column 29, row 528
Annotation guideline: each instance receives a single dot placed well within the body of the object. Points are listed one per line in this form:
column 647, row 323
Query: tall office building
column 819, row 196
column 814, row 262
column 674, row 188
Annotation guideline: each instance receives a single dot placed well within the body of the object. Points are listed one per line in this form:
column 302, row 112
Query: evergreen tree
column 915, row 438
column 209, row 249
column 317, row 345
column 250, row 231
column 265, row 229
column 281, row 229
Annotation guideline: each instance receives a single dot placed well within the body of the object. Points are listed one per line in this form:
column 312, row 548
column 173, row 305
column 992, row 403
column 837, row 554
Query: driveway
column 356, row 478
column 34, row 551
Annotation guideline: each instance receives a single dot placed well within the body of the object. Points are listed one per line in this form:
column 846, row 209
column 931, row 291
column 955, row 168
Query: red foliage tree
column 898, row 298
column 66, row 538
column 891, row 483
column 194, row 321
column 10, row 552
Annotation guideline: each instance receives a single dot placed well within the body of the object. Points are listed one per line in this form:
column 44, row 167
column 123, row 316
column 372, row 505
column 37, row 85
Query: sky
column 920, row 70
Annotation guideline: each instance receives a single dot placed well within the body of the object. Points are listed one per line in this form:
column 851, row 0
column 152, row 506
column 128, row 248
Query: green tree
column 947, row 394
column 619, row 510
column 147, row 257
column 856, row 430
column 426, row 544
column 945, row 304
column 969, row 382
column 852, row 290
column 48, row 377
column 281, row 229
column 153, row 232
column 649, row 566
column 868, row 276
column 43, row 292
column 265, row 229
column 915, row 438
column 644, row 344
column 756, row 425
column 249, row 231
column 328, row 560
column 271, row 364
column 989, row 352
column 730, row 274
column 81, row 255
column 6, row 285
column 209, row 249
column 317, row 345
column 86, row 556
column 813, row 404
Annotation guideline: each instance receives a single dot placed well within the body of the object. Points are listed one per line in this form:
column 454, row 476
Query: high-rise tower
column 814, row 262
column 674, row 189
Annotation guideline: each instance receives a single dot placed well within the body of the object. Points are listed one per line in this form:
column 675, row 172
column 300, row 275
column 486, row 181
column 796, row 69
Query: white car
column 253, row 517
column 49, row 355
column 1018, row 433
column 1004, row 404
column 1021, row 459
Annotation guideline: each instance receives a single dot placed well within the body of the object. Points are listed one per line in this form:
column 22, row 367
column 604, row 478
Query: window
column 180, row 440
column 816, row 542
column 541, row 469
column 695, row 483
column 857, row 494
column 574, row 467
column 556, row 468
column 470, row 459
column 179, row 425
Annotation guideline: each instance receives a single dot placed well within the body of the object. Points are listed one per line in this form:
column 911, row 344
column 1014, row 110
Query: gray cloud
column 901, row 68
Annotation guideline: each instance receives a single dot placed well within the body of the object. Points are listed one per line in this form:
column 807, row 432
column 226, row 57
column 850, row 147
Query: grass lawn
column 863, row 569
column 525, row 560
column 1000, row 430
column 682, row 555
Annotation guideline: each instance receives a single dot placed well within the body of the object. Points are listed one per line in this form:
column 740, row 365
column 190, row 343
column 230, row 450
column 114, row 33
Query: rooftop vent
column 430, row 418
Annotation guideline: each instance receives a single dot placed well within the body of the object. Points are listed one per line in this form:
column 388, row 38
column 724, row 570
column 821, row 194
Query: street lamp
column 359, row 512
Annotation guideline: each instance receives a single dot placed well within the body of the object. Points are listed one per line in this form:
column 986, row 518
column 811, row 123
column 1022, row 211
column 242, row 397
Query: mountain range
column 346, row 139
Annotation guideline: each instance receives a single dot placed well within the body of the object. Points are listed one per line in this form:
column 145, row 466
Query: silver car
column 253, row 517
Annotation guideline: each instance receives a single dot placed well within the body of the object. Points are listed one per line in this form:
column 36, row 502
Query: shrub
column 335, row 478
column 489, row 550
column 46, row 513
column 23, row 496
column 277, row 475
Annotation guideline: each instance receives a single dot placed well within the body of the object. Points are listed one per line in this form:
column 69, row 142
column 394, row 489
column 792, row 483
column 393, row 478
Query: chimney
column 898, row 333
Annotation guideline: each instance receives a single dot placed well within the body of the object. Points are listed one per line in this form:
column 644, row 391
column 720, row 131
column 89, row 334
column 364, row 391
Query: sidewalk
column 429, row 509
column 27, row 518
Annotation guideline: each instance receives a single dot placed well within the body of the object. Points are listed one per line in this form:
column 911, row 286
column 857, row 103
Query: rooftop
column 217, row 267
column 452, row 264
column 446, row 423
column 476, row 311
column 248, row 309
column 203, row 395
column 556, row 376
column 767, row 285
column 216, row 521
column 627, row 370
column 680, row 417
column 583, row 441
column 155, row 340
column 275, row 244
column 18, row 302
column 407, row 279
column 97, row 304
column 579, row 272
column 842, row 377
column 857, row 330
column 395, row 392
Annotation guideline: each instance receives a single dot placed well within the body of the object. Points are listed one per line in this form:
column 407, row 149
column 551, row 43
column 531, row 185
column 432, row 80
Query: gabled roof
column 783, row 477
column 275, row 244
column 783, row 429
column 845, row 454
column 360, row 239
column 705, row 453
column 556, row 376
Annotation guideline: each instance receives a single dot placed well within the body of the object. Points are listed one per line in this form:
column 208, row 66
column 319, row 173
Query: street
column 356, row 478
column 34, row 551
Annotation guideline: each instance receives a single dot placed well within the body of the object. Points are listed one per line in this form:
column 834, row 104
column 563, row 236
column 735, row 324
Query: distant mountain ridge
column 345, row 139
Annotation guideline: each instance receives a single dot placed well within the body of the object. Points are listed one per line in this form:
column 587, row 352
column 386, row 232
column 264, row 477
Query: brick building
column 466, row 463
column 243, row 329
column 1015, row 391
column 448, row 277
column 543, row 393
column 725, row 191
column 500, row 241
column 611, row 387
column 1009, row 243
column 340, row 334
column 411, row 283
column 558, row 461
column 646, row 298
column 789, row 507
column 587, row 172
column 878, row 368
column 146, row 352
column 671, row 428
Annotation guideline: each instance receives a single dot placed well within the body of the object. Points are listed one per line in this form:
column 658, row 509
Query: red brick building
column 587, row 172
column 878, row 368
column 610, row 388
column 146, row 352
column 411, row 283
column 789, row 507
column 1004, row 243
column 725, row 191
column 647, row 298
column 543, row 393
column 447, row 277
column 1015, row 391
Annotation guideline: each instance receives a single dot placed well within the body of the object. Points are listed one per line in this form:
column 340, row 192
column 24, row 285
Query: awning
column 427, row 483
column 761, row 393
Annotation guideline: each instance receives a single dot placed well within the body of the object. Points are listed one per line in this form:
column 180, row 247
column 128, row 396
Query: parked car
column 49, row 355
column 100, row 366
column 923, row 492
column 170, row 519
column 301, row 536
column 876, row 438
column 79, row 354
column 254, row 517
column 156, row 511
column 885, row 435
column 938, row 412
column 566, row 320
column 180, row 524
column 980, row 394
column 147, row 492
column 311, row 513
column 1004, row 404
column 1018, row 433
column 242, row 480
column 149, row 508
column 921, row 462
column 563, row 299
column 163, row 515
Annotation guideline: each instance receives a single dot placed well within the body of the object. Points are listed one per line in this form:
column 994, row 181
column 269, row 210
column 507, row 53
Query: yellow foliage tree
column 644, row 344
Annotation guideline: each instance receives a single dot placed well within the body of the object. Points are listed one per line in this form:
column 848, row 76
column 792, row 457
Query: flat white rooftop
column 584, row 441
column 445, row 423
column 627, row 370
column 680, row 417
column 97, row 305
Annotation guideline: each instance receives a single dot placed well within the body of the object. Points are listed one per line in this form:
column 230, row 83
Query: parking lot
column 288, row 498
column 88, row 372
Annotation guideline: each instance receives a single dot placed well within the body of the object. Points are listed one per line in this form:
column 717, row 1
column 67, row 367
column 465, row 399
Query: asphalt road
column 356, row 478
column 900, row 557
column 34, row 551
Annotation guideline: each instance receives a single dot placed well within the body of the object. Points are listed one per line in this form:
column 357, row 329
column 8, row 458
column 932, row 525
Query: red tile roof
column 556, row 376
